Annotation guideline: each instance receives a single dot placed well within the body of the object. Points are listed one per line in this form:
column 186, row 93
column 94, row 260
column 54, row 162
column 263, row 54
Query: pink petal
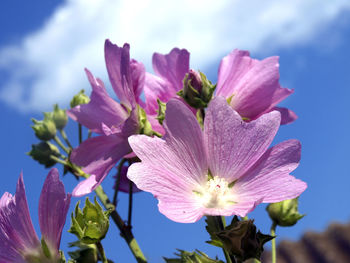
column 101, row 109
column 175, row 197
column 255, row 90
column 119, row 72
column 97, row 156
column 182, row 151
column 156, row 88
column 234, row 145
column 172, row 67
column 287, row 116
column 137, row 70
column 17, row 233
column 53, row 208
column 232, row 68
column 269, row 178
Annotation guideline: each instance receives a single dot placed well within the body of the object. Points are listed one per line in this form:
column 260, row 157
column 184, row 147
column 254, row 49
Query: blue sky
column 45, row 45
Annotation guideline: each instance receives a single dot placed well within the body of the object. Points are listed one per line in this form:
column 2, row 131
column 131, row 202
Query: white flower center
column 216, row 193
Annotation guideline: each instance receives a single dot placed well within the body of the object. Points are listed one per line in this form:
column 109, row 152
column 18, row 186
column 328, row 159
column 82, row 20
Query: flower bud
column 59, row 117
column 191, row 257
column 78, row 99
column 42, row 151
column 46, row 129
column 285, row 213
column 91, row 224
column 197, row 90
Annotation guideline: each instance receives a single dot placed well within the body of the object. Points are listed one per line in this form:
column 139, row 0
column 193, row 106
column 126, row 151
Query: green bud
column 197, row 90
column 46, row 129
column 59, row 117
column 285, row 213
column 78, row 99
column 91, row 224
column 42, row 151
column 191, row 257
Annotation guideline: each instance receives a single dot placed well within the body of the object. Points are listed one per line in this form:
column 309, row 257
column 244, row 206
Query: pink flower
column 227, row 169
column 19, row 242
column 253, row 85
column 115, row 122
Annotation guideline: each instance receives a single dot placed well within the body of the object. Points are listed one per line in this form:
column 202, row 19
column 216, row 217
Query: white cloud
column 47, row 66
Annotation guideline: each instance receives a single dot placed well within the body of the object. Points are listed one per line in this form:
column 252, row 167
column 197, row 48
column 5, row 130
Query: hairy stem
column 65, row 138
column 58, row 141
column 273, row 242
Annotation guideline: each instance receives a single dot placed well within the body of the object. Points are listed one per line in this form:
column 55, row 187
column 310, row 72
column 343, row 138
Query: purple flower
column 115, row 122
column 227, row 169
column 19, row 242
column 252, row 85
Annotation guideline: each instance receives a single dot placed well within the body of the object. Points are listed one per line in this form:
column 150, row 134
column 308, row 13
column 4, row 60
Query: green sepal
column 145, row 125
column 45, row 249
column 161, row 111
column 191, row 257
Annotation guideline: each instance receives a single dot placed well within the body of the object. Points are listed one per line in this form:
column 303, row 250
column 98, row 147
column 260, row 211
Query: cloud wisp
column 47, row 65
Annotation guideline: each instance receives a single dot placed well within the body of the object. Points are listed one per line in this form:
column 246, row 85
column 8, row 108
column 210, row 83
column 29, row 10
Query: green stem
column 65, row 138
column 102, row 252
column 58, row 160
column 80, row 133
column 89, row 134
column 58, row 141
column 273, row 242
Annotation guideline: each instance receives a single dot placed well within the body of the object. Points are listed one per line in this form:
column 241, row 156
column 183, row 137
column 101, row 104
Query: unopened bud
column 285, row 213
column 80, row 98
column 59, row 117
column 46, row 129
column 197, row 90
column 91, row 224
column 42, row 151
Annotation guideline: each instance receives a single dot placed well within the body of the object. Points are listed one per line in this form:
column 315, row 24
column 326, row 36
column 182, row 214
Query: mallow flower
column 252, row 86
column 19, row 242
column 226, row 169
column 114, row 122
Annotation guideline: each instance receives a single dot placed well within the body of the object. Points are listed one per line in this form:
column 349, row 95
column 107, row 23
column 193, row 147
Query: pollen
column 216, row 193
